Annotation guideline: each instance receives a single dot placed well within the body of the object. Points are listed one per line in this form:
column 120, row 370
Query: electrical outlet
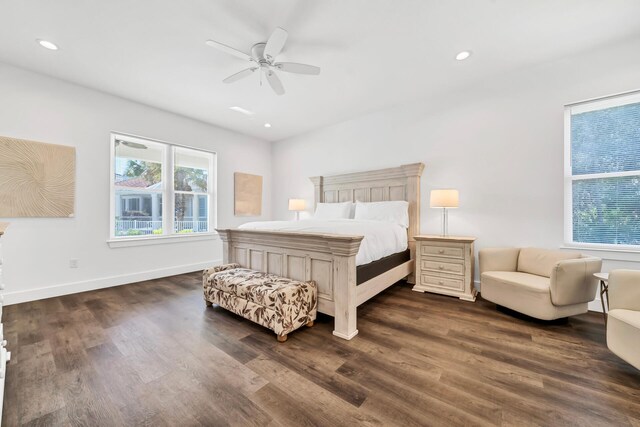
column 73, row 263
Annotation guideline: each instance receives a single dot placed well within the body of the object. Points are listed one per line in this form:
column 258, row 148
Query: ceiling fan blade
column 229, row 50
column 132, row 145
column 240, row 75
column 292, row 67
column 275, row 43
column 274, row 82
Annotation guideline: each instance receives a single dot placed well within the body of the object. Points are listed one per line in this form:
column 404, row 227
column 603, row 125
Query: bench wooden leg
column 209, row 303
column 309, row 323
column 282, row 338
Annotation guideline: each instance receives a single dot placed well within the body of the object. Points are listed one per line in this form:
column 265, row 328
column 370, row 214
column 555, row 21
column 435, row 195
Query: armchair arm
column 624, row 289
column 572, row 280
column 498, row 259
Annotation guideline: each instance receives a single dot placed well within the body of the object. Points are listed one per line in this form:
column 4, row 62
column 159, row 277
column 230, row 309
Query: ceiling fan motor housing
column 257, row 51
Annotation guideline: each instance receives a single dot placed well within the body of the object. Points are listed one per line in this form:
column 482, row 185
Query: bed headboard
column 399, row 183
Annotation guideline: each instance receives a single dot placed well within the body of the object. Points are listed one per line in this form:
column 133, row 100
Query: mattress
column 381, row 239
column 376, row 268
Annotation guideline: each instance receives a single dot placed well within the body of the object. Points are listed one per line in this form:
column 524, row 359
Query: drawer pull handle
column 441, row 267
column 441, row 251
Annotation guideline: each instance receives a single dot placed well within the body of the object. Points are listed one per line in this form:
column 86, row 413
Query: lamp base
column 445, row 223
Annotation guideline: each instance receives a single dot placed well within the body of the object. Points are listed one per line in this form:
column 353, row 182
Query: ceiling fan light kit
column 262, row 58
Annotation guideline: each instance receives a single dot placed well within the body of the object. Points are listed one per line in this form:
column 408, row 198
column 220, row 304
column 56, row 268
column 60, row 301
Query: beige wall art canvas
column 36, row 179
column 248, row 194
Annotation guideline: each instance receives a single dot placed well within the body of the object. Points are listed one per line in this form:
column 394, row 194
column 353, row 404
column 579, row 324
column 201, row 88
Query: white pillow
column 396, row 212
column 333, row 211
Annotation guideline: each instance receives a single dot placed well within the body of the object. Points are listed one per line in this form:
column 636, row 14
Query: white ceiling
column 373, row 53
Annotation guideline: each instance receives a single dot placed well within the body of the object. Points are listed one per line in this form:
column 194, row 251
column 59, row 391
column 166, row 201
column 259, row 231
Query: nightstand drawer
column 442, row 251
column 435, row 265
column 442, row 282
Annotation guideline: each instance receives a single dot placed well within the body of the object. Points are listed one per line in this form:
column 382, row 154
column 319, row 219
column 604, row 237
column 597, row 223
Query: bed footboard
column 327, row 259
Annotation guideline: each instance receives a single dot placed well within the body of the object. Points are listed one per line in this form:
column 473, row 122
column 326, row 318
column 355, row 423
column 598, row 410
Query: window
column 144, row 205
column 191, row 182
column 602, row 172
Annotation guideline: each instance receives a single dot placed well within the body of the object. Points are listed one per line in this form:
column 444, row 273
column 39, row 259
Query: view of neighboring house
column 138, row 209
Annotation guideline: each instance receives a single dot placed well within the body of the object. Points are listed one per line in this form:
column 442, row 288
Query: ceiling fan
column 262, row 58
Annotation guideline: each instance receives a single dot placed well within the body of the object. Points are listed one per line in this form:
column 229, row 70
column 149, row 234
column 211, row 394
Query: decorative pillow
column 333, row 211
column 396, row 212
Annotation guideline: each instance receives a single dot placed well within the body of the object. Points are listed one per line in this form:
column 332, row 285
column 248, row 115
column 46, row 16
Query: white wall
column 37, row 251
column 500, row 143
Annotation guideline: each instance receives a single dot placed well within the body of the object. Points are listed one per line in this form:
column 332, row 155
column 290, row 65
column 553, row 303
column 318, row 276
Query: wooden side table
column 444, row 265
column 604, row 291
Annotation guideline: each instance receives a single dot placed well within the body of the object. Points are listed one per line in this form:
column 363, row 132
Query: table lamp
column 444, row 199
column 297, row 205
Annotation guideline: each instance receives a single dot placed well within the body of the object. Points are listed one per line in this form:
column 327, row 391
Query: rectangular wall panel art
column 248, row 194
column 36, row 179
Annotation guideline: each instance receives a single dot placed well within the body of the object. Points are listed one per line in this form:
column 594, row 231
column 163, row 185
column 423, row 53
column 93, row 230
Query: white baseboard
column 18, row 297
column 595, row 305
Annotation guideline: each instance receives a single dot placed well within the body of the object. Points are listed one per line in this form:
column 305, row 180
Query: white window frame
column 616, row 100
column 168, row 199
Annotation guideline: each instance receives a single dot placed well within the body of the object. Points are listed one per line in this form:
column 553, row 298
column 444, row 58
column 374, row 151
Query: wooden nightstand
column 444, row 265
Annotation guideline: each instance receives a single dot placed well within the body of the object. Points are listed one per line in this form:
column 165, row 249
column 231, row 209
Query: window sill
column 125, row 242
column 606, row 252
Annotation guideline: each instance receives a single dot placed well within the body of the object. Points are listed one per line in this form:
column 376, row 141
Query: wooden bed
column 330, row 259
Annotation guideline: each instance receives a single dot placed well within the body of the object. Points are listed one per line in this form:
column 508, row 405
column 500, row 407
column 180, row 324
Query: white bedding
column 381, row 239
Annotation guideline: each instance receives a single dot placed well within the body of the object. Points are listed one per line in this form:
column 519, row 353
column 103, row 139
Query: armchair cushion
column 623, row 335
column 630, row 317
column 525, row 293
column 528, row 282
column 541, row 261
column 623, row 322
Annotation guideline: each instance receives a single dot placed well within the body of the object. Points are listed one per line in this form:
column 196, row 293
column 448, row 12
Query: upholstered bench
column 280, row 304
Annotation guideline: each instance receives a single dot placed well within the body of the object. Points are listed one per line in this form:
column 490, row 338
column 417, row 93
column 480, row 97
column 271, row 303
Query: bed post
column 317, row 190
column 344, row 272
column 225, row 236
column 413, row 172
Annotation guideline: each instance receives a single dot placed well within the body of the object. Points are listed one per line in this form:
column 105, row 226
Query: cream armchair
column 623, row 322
column 540, row 283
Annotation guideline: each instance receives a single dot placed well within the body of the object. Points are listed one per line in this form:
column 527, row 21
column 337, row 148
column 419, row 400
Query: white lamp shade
column 444, row 198
column 296, row 205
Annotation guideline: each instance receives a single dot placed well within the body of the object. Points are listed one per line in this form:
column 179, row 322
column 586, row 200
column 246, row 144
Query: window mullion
column 212, row 183
column 112, row 184
column 169, row 207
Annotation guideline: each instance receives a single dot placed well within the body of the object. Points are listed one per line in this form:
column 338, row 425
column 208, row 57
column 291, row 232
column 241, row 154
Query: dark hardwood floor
column 152, row 354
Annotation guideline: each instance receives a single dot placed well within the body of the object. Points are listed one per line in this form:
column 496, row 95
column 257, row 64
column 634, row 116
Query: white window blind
column 602, row 172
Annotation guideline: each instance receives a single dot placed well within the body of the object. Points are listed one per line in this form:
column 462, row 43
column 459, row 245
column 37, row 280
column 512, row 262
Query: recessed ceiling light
column 242, row 110
column 267, row 125
column 47, row 44
column 463, row 55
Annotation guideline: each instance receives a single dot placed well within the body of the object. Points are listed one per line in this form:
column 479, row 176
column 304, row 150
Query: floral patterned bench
column 280, row 304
